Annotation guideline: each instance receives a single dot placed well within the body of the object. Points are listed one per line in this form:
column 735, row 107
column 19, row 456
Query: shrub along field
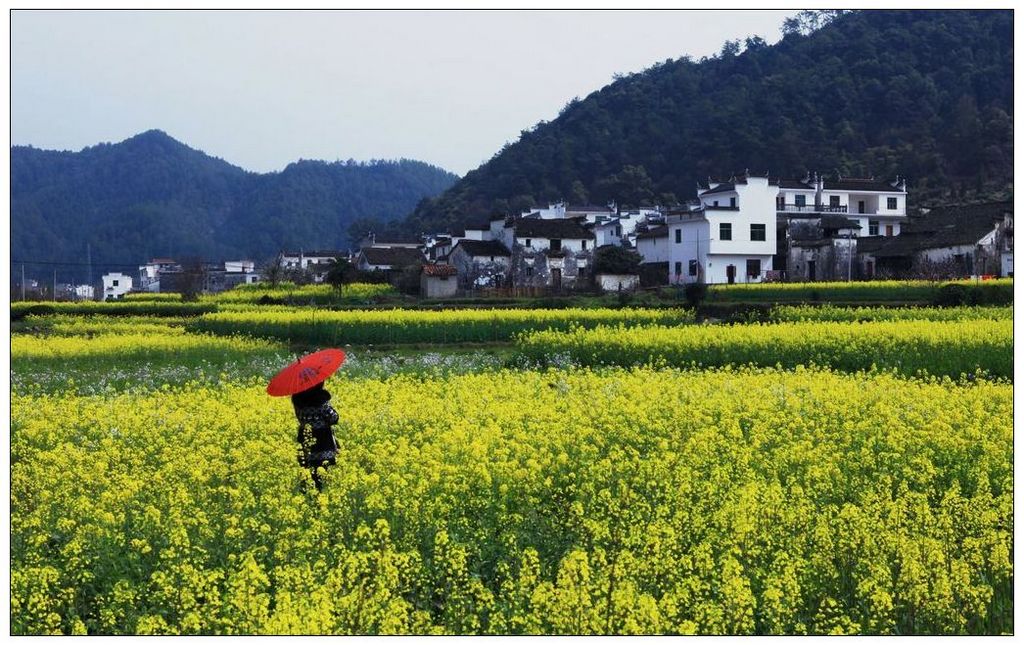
column 626, row 478
column 399, row 326
column 112, row 308
column 309, row 294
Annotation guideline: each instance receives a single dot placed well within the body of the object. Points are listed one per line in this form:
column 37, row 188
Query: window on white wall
column 757, row 232
column 753, row 268
column 872, row 227
column 679, row 236
column 725, row 231
column 892, row 203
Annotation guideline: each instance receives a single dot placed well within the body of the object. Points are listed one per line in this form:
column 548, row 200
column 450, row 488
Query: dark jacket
column 316, row 416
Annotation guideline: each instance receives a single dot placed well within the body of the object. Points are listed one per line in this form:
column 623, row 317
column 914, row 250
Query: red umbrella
column 306, row 372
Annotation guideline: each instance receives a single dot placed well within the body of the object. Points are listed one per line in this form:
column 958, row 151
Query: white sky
column 264, row 88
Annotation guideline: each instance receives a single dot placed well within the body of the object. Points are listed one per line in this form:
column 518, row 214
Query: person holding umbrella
column 304, row 381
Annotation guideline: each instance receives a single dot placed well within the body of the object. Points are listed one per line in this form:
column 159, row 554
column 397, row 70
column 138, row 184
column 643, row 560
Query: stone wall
column 545, row 268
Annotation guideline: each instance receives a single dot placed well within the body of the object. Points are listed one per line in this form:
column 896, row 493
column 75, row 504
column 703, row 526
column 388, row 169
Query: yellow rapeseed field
column 562, row 501
column 148, row 341
column 395, row 326
column 940, row 348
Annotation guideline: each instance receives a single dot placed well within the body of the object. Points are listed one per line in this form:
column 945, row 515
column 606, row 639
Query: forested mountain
column 151, row 195
column 924, row 94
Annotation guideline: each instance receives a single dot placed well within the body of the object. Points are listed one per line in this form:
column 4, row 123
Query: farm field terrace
column 480, row 489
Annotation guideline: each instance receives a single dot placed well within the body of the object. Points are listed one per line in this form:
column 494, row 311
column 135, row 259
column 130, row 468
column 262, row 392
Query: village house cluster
column 747, row 228
column 167, row 275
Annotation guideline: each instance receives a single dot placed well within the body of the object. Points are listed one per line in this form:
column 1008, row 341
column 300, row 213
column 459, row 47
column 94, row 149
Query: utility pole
column 55, row 285
column 849, row 255
column 23, row 283
column 88, row 251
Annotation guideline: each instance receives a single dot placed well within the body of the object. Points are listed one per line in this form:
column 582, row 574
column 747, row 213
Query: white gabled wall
column 653, row 249
column 116, row 285
column 699, row 236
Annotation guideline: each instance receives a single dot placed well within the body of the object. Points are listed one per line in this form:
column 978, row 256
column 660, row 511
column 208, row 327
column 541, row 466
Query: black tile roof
column 871, row 243
column 813, row 243
column 565, row 229
column 793, row 184
column 957, row 225
column 721, row 188
column 315, row 254
column 954, row 225
column 657, row 231
column 589, row 208
column 853, row 184
column 479, row 248
column 392, row 256
column 835, row 222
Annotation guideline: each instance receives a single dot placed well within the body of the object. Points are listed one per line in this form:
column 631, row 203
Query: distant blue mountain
column 152, row 195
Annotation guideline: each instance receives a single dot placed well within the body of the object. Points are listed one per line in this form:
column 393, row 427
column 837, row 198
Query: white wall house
column 561, row 210
column 956, row 240
column 548, row 252
column 880, row 207
column 302, row 259
column 551, row 211
column 115, row 285
column 591, row 213
column 239, row 266
column 387, row 258
column 149, row 273
column 607, row 231
column 535, row 234
column 477, row 232
column 652, row 244
column 83, row 292
column 481, row 263
column 730, row 238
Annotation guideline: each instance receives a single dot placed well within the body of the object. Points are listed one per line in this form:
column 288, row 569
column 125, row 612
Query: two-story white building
column 115, row 285
column 729, row 238
column 149, row 273
column 607, row 231
column 880, row 207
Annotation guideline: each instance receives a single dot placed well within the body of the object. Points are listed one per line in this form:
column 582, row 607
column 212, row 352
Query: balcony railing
column 811, row 208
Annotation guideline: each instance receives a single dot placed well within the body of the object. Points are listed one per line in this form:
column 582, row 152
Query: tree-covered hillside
column 151, row 195
column 925, row 94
